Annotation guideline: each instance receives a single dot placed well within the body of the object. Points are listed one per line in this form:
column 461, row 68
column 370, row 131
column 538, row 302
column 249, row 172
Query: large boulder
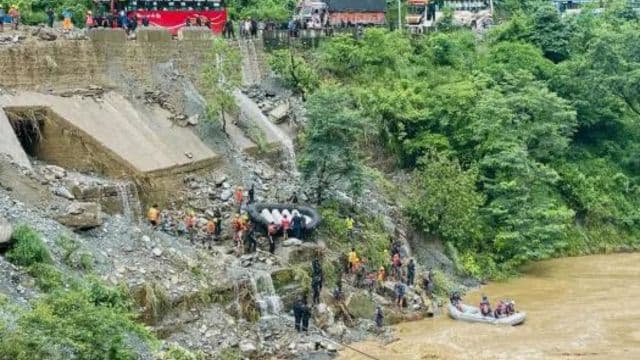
column 81, row 216
column 361, row 305
column 6, row 230
column 46, row 34
column 280, row 113
column 323, row 316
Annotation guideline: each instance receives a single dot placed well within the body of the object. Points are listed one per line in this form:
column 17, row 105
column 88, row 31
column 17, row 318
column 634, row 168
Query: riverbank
column 585, row 307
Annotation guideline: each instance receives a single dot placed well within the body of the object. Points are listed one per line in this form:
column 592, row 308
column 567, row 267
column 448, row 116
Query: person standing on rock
column 411, row 272
column 285, row 224
column 252, row 193
column 297, row 225
column 251, row 239
column 153, row 215
column 210, row 230
column 190, row 225
column 379, row 318
column 353, row 260
column 14, row 13
column 228, row 29
column 306, row 315
column 239, row 196
column 2, row 15
column 89, row 20
column 316, row 269
column 396, row 264
column 67, row 25
column 350, row 224
column 238, row 227
column 272, row 230
column 400, row 291
column 316, row 286
column 218, row 220
column 50, row 17
column 297, row 315
column 253, row 27
column 380, row 277
column 293, row 199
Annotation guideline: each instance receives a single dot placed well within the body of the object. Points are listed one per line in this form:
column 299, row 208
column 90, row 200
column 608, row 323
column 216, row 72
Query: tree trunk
column 294, row 76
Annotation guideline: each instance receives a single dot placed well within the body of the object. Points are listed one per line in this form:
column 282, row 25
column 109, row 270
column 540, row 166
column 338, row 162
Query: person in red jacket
column 285, row 224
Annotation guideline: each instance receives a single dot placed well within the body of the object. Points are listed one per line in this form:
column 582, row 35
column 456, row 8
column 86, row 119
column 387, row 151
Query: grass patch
column 258, row 137
column 179, row 353
column 79, row 260
column 154, row 302
column 28, row 248
column 229, row 354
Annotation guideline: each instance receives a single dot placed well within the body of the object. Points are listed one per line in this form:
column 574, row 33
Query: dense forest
column 522, row 142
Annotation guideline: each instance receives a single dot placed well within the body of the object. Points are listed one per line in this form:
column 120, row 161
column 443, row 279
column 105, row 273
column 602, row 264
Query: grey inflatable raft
column 472, row 314
column 264, row 214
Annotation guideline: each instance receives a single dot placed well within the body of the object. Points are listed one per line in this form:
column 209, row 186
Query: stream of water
column 268, row 301
column 250, row 110
column 128, row 194
column 577, row 308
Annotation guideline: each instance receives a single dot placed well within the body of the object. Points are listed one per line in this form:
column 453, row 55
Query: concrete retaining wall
column 43, row 65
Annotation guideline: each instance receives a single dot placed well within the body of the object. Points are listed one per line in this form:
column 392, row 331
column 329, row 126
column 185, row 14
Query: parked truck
column 319, row 14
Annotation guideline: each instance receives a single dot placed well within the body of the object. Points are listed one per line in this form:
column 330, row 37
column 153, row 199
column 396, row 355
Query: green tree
column 221, row 76
column 294, row 70
column 330, row 159
column 444, row 201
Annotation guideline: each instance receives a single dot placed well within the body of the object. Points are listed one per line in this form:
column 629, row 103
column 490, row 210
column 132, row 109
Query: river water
column 577, row 308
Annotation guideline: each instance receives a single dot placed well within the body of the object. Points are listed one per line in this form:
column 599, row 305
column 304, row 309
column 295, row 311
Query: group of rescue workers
column 504, row 307
column 245, row 232
column 395, row 270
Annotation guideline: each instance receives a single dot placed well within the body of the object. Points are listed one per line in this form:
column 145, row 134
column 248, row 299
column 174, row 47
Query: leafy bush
column 47, row 277
column 28, row 248
column 69, row 325
column 179, row 353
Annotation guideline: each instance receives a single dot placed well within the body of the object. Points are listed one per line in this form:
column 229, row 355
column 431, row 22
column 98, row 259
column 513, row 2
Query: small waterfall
column 263, row 294
column 267, row 299
column 250, row 65
column 128, row 193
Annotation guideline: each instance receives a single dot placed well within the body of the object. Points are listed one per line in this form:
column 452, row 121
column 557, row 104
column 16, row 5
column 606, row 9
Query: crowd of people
column 245, row 233
column 12, row 16
column 504, row 307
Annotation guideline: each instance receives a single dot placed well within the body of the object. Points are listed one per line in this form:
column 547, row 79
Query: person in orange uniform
column 153, row 215
column 380, row 277
column 353, row 260
column 285, row 224
column 190, row 224
column 210, row 230
column 239, row 195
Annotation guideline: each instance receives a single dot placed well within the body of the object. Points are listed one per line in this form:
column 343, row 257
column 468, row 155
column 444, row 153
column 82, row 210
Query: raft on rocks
column 472, row 314
column 264, row 214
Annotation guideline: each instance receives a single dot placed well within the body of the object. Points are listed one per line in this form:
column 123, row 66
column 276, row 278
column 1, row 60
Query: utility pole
column 399, row 15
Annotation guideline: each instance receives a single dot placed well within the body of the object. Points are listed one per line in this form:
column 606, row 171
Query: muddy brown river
column 577, row 308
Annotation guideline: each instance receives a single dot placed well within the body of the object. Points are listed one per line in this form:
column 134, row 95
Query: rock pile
column 91, row 91
column 275, row 106
column 81, row 216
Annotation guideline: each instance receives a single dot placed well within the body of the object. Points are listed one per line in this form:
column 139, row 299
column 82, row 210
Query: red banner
column 173, row 20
